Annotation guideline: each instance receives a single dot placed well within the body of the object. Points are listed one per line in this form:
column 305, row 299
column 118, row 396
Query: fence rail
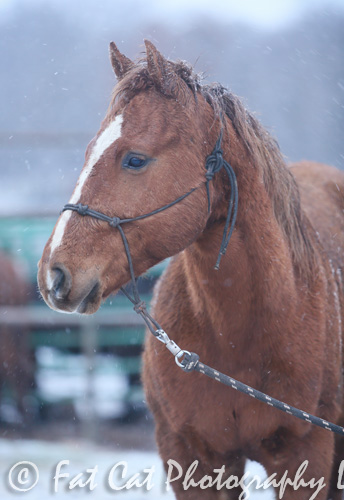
column 42, row 316
column 88, row 340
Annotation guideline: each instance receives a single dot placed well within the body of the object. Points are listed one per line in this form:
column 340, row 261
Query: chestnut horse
column 271, row 317
column 17, row 361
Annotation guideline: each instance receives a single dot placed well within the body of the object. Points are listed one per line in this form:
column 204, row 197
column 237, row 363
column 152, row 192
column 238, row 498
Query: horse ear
column 160, row 70
column 121, row 64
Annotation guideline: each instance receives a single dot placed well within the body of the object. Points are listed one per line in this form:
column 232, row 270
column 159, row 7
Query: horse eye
column 134, row 161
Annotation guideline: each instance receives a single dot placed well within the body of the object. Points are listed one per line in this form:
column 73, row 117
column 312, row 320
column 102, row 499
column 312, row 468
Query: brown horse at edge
column 272, row 315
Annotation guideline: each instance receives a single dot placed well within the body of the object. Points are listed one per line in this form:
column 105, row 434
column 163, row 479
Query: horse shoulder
column 322, row 199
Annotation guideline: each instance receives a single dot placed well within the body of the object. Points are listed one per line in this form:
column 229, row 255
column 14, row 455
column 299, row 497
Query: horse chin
column 86, row 303
column 91, row 303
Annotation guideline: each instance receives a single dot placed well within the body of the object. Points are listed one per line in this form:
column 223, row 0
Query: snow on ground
column 45, row 457
column 64, row 377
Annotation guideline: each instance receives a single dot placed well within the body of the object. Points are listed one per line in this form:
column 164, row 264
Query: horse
column 17, row 362
column 270, row 316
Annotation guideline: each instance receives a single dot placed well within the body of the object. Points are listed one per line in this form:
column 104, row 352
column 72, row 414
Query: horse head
column 150, row 150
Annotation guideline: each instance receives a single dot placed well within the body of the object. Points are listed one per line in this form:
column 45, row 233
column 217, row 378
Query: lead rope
column 189, row 361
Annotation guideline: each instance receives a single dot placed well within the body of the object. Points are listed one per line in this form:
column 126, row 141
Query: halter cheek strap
column 214, row 163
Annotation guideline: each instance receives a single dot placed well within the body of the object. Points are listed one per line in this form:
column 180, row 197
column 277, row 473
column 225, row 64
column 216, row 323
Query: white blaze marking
column 105, row 140
column 50, row 280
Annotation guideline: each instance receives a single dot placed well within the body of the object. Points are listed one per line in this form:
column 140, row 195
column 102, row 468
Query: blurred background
column 70, row 380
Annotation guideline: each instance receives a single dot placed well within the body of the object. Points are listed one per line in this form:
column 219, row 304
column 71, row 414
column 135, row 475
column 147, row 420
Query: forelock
column 138, row 79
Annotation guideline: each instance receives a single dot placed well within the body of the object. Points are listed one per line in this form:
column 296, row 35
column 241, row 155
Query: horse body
column 259, row 323
column 17, row 363
column 270, row 317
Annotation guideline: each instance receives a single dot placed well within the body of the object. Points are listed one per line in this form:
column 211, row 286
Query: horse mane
column 262, row 148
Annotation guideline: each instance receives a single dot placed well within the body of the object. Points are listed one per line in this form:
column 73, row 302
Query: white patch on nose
column 104, row 141
column 50, row 280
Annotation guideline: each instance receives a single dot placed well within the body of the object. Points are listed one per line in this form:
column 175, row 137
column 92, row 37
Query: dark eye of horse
column 135, row 161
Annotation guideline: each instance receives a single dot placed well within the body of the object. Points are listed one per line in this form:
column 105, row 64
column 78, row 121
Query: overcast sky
column 286, row 63
column 264, row 13
column 268, row 13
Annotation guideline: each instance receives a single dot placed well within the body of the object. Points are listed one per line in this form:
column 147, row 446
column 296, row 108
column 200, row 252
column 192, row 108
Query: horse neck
column 256, row 275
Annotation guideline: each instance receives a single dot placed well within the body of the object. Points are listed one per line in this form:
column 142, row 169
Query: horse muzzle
column 66, row 293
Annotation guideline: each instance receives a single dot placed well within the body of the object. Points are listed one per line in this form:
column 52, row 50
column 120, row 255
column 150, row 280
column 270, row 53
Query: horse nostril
column 62, row 282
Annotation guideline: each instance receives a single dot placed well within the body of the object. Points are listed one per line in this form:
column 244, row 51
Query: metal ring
column 177, row 356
